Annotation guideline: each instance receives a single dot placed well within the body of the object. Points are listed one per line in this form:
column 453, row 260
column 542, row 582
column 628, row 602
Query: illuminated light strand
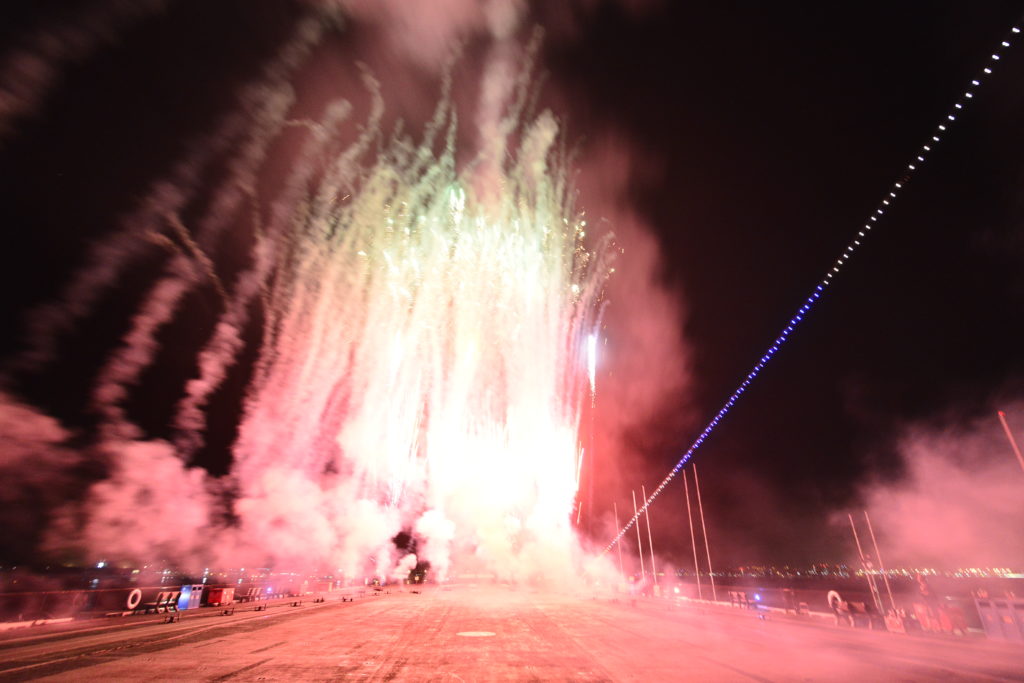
column 819, row 289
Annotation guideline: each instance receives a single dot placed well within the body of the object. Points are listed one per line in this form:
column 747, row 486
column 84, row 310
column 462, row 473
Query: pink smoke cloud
column 960, row 501
column 644, row 360
column 37, row 470
column 151, row 506
column 426, row 33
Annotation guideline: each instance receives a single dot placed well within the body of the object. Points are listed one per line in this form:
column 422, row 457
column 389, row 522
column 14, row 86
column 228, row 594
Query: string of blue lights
column 819, row 289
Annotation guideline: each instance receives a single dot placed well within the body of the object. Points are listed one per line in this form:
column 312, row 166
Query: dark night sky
column 769, row 132
column 778, row 129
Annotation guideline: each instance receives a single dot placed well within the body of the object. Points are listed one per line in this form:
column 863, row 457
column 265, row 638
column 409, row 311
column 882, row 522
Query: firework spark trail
column 221, row 350
column 108, row 259
column 139, row 346
column 423, row 364
column 430, row 348
column 287, row 237
column 27, row 71
column 819, row 289
column 268, row 103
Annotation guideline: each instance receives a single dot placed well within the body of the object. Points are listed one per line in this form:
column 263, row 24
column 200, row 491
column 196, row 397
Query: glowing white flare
column 592, row 362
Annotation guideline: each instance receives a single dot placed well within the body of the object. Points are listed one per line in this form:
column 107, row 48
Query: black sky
column 778, row 129
column 770, row 132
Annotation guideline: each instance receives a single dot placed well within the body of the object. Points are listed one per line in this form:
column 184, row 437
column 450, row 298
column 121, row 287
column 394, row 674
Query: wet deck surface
column 492, row 633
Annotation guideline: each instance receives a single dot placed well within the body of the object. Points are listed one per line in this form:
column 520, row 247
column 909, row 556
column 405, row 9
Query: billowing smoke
column 404, row 567
column 425, row 32
column 422, row 316
column 643, row 365
column 149, row 507
column 38, row 468
column 959, row 501
column 424, row 348
column 29, row 68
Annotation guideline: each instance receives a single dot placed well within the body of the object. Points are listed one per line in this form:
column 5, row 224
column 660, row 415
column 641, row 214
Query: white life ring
column 835, row 600
column 134, row 598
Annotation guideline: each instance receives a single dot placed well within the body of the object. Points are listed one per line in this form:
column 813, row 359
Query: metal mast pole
column 707, row 548
column 871, row 580
column 693, row 538
column 622, row 573
column 881, row 567
column 639, row 546
column 1013, row 442
column 650, row 541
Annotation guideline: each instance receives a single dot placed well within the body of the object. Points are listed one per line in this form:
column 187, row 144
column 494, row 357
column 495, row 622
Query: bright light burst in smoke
column 425, row 364
column 592, row 363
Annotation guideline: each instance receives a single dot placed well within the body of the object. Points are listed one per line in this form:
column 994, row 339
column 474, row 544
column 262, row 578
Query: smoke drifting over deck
column 416, row 312
column 183, row 178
